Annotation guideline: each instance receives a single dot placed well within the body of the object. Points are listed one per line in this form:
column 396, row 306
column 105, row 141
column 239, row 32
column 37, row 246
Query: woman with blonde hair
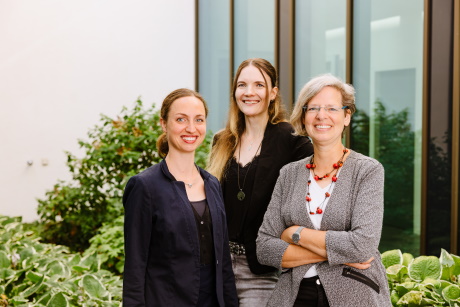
column 324, row 221
column 176, row 242
column 246, row 157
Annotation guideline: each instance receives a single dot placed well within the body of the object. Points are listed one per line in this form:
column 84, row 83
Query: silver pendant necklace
column 241, row 195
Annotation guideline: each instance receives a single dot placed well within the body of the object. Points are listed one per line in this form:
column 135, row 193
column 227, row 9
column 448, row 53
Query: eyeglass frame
column 305, row 108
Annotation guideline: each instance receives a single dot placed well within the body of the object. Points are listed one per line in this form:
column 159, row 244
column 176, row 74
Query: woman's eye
column 260, row 85
column 241, row 85
column 200, row 120
column 181, row 119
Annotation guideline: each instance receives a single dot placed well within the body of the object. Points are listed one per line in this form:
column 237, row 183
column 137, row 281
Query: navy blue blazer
column 162, row 248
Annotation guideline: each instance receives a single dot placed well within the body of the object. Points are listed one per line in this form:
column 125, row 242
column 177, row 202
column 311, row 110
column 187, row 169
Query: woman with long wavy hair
column 246, row 157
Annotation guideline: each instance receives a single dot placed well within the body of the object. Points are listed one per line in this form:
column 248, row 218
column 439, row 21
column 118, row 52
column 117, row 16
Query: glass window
column 214, row 59
column 320, row 43
column 387, row 75
column 254, row 30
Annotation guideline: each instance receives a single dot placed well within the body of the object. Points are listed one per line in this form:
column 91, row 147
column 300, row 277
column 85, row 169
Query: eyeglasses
column 330, row 110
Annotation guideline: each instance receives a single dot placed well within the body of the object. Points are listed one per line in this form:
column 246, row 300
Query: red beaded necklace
column 335, row 168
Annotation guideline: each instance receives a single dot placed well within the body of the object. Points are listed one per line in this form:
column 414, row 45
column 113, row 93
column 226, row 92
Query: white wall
column 63, row 63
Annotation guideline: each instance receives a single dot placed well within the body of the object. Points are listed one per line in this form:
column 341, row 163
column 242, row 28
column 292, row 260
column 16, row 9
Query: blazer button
column 217, row 262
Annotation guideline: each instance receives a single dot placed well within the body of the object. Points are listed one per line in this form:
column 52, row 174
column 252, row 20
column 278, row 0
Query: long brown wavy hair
column 226, row 140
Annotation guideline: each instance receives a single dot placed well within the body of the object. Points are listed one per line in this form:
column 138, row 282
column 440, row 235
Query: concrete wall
column 63, row 63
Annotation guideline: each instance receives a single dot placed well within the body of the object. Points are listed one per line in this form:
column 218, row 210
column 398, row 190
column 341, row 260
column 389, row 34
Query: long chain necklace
column 311, row 167
column 241, row 195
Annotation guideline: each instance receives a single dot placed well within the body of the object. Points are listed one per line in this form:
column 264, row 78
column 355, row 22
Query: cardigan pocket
column 348, row 272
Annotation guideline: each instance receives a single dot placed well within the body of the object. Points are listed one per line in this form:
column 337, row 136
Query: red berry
column 336, row 166
column 316, row 177
column 308, row 198
column 319, row 210
column 312, row 213
column 327, row 194
column 334, row 178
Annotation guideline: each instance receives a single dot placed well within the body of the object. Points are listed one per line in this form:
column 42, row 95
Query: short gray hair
column 311, row 89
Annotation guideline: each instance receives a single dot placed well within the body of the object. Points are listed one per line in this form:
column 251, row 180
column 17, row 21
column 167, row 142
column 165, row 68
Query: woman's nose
column 190, row 127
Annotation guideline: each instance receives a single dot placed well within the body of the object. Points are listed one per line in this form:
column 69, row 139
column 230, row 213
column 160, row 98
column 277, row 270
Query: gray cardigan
column 353, row 220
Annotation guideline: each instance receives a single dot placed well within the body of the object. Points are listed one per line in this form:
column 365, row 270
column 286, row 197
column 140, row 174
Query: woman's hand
column 286, row 236
column 361, row 265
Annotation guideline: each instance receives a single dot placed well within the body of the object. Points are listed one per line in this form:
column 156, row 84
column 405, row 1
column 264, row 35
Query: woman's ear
column 163, row 124
column 347, row 118
column 273, row 93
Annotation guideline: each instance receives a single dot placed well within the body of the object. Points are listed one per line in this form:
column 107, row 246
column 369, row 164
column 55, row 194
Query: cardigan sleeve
column 270, row 247
column 137, row 232
column 360, row 243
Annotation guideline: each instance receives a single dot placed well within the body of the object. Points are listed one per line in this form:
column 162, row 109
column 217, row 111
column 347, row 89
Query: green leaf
column 44, row 299
column 394, row 297
column 407, row 258
column 397, row 273
column 75, row 260
column 423, row 267
column 451, row 292
column 447, row 263
column 27, row 252
column 6, row 274
column 80, row 269
column 56, row 267
column 32, row 289
column 456, row 269
column 411, row 298
column 33, row 276
column 91, row 261
column 58, row 300
column 93, row 286
column 392, row 257
column 4, row 260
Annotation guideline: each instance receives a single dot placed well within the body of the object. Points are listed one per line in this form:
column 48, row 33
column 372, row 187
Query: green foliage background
column 116, row 149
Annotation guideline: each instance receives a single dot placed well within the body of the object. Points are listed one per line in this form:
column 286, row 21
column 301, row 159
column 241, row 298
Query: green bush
column 423, row 281
column 109, row 244
column 115, row 150
column 38, row 274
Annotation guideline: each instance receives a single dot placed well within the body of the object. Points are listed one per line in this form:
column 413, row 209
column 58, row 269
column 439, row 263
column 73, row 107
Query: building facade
column 403, row 59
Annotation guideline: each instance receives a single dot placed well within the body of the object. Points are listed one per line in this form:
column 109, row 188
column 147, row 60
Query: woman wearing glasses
column 246, row 157
column 324, row 220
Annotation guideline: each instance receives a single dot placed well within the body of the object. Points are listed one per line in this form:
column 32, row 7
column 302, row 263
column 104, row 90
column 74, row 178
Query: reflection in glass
column 254, row 30
column 214, row 59
column 320, row 42
column 387, row 75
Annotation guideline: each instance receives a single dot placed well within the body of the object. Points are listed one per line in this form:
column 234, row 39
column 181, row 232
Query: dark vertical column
column 439, row 171
column 285, row 50
column 361, row 72
column 456, row 129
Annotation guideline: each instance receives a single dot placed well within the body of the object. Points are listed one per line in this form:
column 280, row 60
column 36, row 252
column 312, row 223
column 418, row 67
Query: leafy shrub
column 109, row 244
column 38, row 274
column 115, row 150
column 423, row 281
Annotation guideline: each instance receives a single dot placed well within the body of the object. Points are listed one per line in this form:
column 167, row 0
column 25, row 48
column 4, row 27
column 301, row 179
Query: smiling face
column 251, row 92
column 185, row 125
column 325, row 127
